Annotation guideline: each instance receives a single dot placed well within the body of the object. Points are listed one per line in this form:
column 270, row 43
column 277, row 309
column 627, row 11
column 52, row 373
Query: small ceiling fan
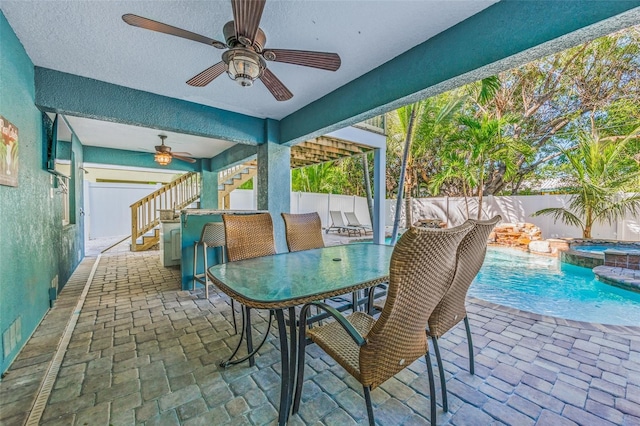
column 244, row 61
column 163, row 155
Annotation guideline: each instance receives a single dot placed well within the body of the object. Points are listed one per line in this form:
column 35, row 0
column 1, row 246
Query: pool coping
column 628, row 279
column 600, row 241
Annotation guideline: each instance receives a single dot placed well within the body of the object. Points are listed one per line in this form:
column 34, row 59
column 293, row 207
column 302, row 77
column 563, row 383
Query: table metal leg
column 229, row 361
column 293, row 345
column 246, row 333
column 285, row 379
column 233, row 315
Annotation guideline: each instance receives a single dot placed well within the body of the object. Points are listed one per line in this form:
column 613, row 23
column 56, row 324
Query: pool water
column 547, row 286
column 601, row 249
column 591, row 249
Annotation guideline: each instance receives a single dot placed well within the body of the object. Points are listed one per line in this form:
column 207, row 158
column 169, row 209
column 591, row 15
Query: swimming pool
column 546, row 286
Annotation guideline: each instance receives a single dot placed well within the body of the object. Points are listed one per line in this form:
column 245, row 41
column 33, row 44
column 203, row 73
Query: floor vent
column 54, row 367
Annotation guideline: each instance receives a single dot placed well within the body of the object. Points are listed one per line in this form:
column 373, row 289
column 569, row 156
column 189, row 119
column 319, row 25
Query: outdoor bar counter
column 191, row 223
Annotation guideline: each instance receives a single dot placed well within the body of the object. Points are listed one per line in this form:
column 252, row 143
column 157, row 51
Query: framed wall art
column 8, row 153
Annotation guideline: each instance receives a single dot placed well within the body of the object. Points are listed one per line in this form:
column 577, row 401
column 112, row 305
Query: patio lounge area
column 116, row 338
column 145, row 352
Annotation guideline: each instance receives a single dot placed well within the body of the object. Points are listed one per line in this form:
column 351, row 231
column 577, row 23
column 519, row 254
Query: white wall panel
column 109, row 207
column 242, row 199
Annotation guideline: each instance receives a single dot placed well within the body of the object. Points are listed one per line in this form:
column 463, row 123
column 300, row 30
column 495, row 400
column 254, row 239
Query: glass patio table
column 286, row 280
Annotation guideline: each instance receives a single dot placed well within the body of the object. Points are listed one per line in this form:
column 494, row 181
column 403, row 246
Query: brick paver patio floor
column 145, row 352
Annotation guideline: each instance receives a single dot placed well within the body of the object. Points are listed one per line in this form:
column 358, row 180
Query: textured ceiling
column 89, row 39
column 132, row 138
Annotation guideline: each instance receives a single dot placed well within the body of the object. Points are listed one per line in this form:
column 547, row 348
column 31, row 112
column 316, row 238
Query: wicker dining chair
column 248, row 236
column 303, row 231
column 451, row 309
column 372, row 351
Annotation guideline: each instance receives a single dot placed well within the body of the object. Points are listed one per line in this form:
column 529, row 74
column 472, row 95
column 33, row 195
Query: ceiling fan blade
column 150, row 24
column 180, row 157
column 247, row 15
column 207, row 76
column 275, row 86
column 322, row 60
column 182, row 154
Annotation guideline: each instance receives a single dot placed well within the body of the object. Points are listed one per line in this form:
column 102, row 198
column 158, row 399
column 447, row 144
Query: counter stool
column 212, row 236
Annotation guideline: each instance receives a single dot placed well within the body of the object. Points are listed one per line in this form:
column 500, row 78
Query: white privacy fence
column 305, row 202
column 515, row 209
column 452, row 210
column 107, row 208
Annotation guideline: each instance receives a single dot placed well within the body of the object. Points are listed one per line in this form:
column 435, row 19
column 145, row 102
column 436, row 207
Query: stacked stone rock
column 515, row 234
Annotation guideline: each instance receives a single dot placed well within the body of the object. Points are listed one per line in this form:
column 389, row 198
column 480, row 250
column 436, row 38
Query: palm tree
column 407, row 115
column 454, row 170
column 480, row 145
column 419, row 124
column 319, row 178
column 485, row 144
column 601, row 171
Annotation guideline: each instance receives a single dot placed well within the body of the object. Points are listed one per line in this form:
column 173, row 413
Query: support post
column 209, row 190
column 274, row 181
column 379, row 186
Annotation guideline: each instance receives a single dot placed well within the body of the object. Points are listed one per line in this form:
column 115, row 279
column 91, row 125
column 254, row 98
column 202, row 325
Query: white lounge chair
column 339, row 225
column 352, row 220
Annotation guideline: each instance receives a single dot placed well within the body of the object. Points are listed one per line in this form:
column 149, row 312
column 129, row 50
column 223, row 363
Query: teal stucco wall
column 31, row 233
column 72, row 235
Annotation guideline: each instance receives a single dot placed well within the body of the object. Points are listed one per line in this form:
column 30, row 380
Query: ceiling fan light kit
column 163, row 155
column 244, row 61
column 243, row 66
column 162, row 158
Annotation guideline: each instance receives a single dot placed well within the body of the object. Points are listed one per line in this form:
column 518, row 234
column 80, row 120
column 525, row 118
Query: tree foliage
column 501, row 134
column 595, row 166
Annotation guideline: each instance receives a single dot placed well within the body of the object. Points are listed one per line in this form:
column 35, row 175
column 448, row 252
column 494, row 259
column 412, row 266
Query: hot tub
column 592, row 253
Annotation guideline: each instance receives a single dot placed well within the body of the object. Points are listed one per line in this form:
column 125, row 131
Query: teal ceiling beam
column 232, row 156
column 242, row 153
column 120, row 157
column 85, row 97
column 505, row 35
column 271, row 130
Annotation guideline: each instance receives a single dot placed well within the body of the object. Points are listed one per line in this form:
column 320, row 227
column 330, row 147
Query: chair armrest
column 346, row 325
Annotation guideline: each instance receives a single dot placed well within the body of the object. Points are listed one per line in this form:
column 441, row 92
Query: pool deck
column 145, row 352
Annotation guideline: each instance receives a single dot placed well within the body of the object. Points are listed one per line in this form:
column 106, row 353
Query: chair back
column 422, row 266
column 213, row 234
column 352, row 219
column 336, row 217
column 303, row 231
column 471, row 253
column 248, row 236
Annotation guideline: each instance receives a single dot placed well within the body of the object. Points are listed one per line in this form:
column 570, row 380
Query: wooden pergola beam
column 323, row 149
